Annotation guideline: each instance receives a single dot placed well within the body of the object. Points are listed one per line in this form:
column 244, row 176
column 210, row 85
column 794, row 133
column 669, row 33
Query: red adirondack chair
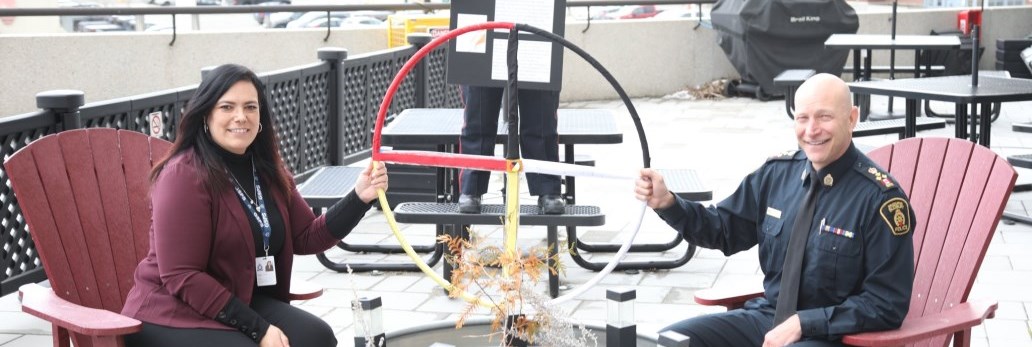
column 957, row 191
column 84, row 195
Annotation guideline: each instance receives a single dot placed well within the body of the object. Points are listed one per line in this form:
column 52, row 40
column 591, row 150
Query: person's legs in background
column 539, row 139
column 479, row 130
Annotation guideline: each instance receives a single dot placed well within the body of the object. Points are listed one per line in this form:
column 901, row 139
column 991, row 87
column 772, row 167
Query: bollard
column 64, row 104
column 620, row 328
column 672, row 339
column 372, row 316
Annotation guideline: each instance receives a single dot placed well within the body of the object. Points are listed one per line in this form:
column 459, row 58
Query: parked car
column 255, row 2
column 679, row 12
column 603, row 12
column 306, row 19
column 632, row 12
column 347, row 22
column 199, row 2
column 260, row 16
column 280, row 19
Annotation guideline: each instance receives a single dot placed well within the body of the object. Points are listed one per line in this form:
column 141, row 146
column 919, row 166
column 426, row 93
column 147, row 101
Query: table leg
column 917, row 63
column 985, row 120
column 553, row 250
column 571, row 184
column 960, row 121
column 867, row 66
column 973, row 127
column 857, row 73
column 910, row 129
column 457, row 230
column 865, row 106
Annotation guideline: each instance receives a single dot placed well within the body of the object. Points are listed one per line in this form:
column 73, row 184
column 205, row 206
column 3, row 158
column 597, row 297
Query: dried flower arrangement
column 506, row 280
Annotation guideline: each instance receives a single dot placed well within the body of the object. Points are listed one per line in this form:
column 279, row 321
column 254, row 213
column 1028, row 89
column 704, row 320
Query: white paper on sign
column 474, row 41
column 534, row 59
column 536, row 13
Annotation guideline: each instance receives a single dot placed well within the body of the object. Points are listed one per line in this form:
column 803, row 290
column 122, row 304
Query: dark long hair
column 192, row 135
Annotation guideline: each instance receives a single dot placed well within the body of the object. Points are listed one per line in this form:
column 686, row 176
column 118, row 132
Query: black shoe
column 469, row 204
column 551, row 204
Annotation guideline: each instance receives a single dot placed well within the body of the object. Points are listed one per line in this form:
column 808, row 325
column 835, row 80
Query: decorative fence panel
column 303, row 100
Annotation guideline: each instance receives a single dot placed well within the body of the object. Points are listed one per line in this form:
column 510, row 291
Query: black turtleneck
column 240, row 166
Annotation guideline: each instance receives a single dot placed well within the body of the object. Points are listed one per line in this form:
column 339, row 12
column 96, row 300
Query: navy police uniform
column 857, row 271
column 539, row 137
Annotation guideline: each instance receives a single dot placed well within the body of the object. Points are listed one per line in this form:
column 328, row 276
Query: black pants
column 734, row 328
column 539, row 137
column 302, row 329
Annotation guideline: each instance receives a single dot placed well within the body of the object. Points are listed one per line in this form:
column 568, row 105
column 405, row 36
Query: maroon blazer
column 202, row 249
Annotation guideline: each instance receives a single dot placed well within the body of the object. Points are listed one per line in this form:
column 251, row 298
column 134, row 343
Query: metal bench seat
column 323, row 187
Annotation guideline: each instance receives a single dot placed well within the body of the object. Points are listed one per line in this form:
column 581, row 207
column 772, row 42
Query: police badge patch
column 896, row 213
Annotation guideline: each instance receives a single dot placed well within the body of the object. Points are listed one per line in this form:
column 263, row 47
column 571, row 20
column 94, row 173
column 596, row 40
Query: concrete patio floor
column 722, row 140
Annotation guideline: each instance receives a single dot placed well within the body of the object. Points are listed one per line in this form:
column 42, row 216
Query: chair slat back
column 957, row 191
column 84, row 194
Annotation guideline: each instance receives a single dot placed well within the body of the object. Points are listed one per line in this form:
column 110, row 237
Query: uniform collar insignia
column 828, row 180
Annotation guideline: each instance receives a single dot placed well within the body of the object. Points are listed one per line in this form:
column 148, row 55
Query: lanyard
column 263, row 218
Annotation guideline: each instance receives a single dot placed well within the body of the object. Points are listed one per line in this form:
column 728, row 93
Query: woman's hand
column 274, row 337
column 372, row 178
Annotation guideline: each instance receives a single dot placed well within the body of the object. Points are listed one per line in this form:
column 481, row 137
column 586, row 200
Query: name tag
column 773, row 212
column 265, row 271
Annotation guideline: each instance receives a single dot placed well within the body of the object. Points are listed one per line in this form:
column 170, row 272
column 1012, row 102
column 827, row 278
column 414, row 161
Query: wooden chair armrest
column 304, row 290
column 44, row 303
column 960, row 317
column 731, row 297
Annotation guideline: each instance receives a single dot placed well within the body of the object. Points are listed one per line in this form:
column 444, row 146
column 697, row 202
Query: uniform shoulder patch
column 880, row 178
column 786, row 155
column 896, row 213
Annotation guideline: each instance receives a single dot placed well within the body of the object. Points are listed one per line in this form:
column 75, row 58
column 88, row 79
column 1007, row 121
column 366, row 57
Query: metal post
column 418, row 41
column 620, row 328
column 372, row 322
column 206, row 70
column 64, row 104
column 672, row 339
column 334, row 56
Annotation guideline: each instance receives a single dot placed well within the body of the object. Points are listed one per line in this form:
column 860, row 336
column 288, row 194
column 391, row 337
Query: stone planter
column 473, row 333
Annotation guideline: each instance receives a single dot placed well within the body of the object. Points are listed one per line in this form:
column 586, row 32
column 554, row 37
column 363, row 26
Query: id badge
column 265, row 269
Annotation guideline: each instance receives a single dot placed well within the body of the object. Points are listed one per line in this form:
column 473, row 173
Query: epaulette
column 786, row 155
column 879, row 177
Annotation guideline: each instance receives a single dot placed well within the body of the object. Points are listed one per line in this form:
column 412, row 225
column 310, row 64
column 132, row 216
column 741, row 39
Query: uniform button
column 254, row 336
column 243, row 328
column 222, row 314
column 233, row 322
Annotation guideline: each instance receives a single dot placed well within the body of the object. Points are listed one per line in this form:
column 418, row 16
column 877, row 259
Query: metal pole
column 334, row 56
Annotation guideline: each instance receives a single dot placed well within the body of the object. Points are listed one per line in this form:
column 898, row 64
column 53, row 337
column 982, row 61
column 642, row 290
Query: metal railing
column 323, row 113
column 198, row 10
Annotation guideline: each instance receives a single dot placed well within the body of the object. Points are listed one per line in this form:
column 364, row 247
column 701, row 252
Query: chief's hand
column 274, row 337
column 372, row 178
column 785, row 333
column 651, row 189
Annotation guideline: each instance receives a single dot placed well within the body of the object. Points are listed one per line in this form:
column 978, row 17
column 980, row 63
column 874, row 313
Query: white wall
column 648, row 57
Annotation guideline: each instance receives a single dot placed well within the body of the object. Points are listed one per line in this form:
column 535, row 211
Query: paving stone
column 30, row 341
column 5, row 338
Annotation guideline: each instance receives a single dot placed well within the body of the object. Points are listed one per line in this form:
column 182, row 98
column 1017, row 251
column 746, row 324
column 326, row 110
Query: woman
column 227, row 220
